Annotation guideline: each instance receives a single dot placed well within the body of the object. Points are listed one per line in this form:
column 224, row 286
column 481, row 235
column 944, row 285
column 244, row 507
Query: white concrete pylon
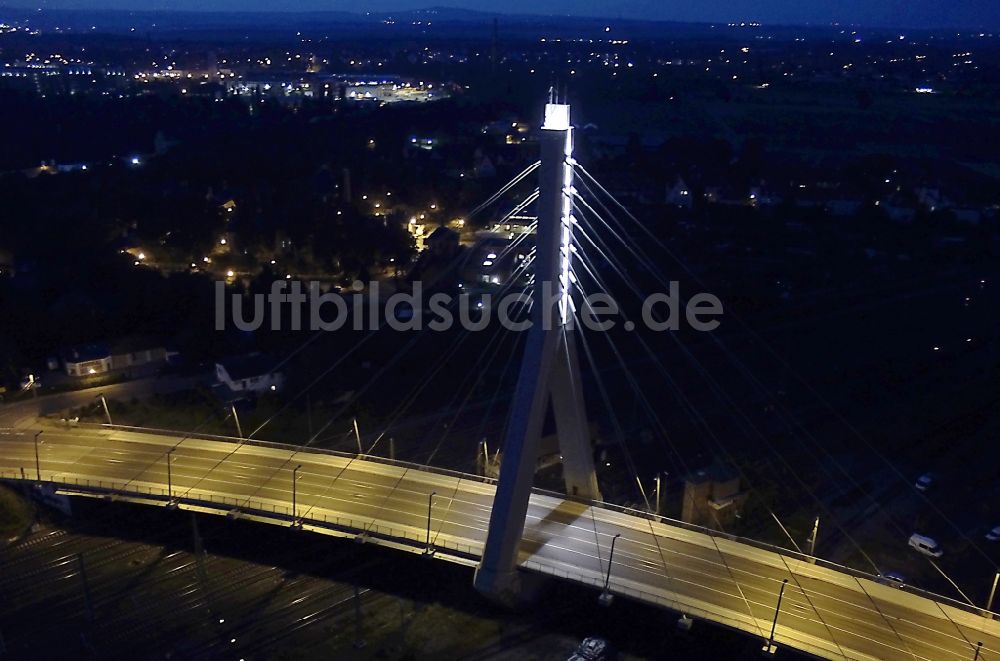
column 550, row 371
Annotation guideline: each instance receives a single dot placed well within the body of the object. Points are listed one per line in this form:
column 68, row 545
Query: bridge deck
column 828, row 612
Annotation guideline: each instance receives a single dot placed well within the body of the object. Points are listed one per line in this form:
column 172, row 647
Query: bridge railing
column 237, row 506
column 764, row 546
column 686, row 608
column 296, row 448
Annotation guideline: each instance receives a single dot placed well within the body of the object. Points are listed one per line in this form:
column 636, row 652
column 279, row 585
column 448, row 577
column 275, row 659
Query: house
column 678, row 195
column 492, row 261
column 483, row 167
column 87, row 360
column 254, row 372
column 138, row 352
column 844, row 207
column 442, row 242
column 931, row 198
column 763, row 197
column 967, row 215
column 897, row 210
column 730, row 196
column 712, row 497
column 127, row 357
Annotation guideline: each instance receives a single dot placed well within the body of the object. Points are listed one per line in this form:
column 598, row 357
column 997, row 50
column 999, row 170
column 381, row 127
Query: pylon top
column 556, row 117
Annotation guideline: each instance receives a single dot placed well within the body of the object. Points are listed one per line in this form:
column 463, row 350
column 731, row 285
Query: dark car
column 593, row 649
column 893, row 579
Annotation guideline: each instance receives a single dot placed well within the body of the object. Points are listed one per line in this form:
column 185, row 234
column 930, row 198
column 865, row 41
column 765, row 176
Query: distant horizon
column 870, row 14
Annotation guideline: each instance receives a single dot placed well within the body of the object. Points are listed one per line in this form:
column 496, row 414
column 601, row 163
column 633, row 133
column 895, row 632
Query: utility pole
column 606, row 597
column 430, row 503
column 769, row 648
column 38, row 465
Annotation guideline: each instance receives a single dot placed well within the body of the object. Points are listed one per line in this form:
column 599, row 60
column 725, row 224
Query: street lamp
column 357, row 435
column 170, row 482
column 993, row 591
column 812, row 538
column 38, row 467
column 606, row 597
column 239, row 430
column 107, row 411
column 769, row 648
column 659, row 500
column 295, row 509
column 430, row 502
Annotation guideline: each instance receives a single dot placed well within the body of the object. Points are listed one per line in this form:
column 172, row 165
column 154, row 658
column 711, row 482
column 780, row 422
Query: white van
column 926, row 545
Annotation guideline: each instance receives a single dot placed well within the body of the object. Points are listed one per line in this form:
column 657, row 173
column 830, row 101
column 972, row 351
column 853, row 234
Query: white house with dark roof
column 250, row 373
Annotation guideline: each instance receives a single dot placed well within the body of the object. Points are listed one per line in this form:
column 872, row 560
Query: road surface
column 830, row 613
column 24, row 412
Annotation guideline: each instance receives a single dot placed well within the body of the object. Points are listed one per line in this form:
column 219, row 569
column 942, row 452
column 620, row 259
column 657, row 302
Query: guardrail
column 649, row 516
column 661, row 601
column 296, row 448
column 236, row 506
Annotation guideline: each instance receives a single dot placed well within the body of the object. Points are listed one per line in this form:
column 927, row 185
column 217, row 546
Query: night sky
column 889, row 13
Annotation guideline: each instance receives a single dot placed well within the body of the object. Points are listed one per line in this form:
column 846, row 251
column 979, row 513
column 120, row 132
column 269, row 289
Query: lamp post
column 38, row 466
column 170, row 481
column 659, row 499
column 606, row 597
column 107, row 411
column 357, row 435
column 236, row 417
column 812, row 538
column 295, row 509
column 430, row 503
column 769, row 648
column 979, row 648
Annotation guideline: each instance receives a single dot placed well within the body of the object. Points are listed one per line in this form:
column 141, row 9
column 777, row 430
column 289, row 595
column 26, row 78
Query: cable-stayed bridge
column 508, row 530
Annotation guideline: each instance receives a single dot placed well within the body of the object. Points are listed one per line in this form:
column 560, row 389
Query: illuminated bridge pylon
column 550, row 372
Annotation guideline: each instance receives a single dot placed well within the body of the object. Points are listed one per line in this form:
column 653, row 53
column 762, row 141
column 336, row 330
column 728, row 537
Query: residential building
column 250, row 373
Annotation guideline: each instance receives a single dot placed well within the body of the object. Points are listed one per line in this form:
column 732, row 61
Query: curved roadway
column 829, row 613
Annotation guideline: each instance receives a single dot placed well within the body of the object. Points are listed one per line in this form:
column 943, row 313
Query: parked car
column 925, row 545
column 892, row 579
column 993, row 535
column 593, row 649
column 925, row 482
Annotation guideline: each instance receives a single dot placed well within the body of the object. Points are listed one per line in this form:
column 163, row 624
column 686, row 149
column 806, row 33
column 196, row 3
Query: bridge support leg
column 571, row 422
column 550, row 373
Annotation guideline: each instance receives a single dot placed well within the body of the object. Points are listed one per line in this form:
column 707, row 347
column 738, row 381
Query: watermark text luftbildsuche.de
column 295, row 305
